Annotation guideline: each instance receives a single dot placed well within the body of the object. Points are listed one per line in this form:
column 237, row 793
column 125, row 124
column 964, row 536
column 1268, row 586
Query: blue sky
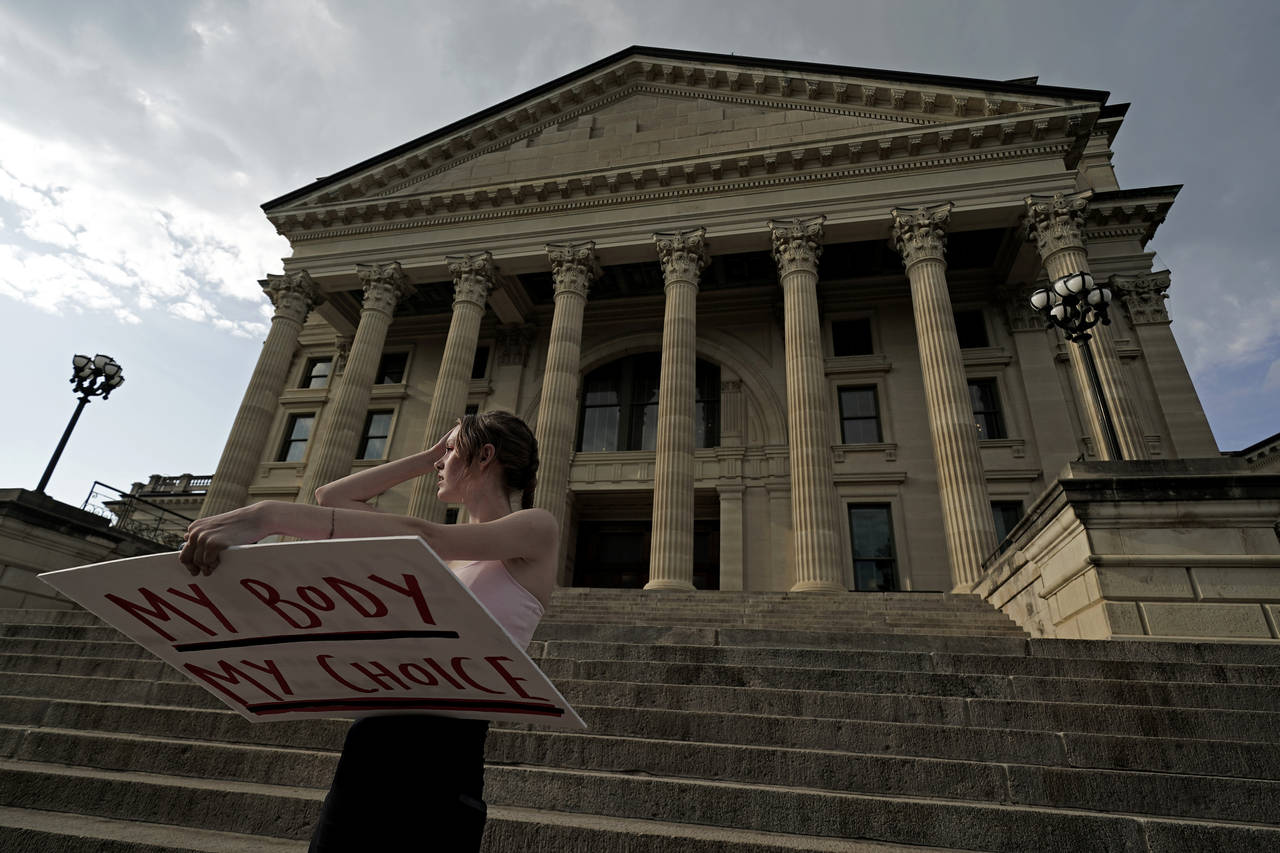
column 137, row 140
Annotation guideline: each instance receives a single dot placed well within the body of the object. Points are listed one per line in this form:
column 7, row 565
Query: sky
column 138, row 139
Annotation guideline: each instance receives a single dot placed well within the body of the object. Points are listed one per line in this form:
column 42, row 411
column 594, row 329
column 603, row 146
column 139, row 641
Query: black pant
column 406, row 783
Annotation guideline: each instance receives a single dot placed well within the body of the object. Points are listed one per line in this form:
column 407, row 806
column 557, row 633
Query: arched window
column 620, row 405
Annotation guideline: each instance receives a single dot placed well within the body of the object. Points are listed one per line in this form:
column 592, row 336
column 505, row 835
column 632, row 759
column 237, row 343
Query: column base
column 818, row 586
column 669, row 585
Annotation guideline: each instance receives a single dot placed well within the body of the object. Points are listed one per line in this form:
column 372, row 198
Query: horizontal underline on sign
column 341, row 636
column 407, row 703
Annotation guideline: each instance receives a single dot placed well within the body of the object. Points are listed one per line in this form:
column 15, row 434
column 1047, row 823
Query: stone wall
column 40, row 534
column 1165, row 549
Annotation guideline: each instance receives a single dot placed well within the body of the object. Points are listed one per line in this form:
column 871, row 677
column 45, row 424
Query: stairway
column 735, row 722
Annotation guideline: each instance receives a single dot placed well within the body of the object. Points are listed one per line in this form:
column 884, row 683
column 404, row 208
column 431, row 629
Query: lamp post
column 92, row 377
column 1075, row 304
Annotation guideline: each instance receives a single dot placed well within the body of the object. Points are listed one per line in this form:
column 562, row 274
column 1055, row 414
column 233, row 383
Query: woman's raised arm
column 355, row 490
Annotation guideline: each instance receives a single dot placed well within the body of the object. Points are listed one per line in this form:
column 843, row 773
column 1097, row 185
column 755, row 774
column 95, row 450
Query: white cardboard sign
column 338, row 628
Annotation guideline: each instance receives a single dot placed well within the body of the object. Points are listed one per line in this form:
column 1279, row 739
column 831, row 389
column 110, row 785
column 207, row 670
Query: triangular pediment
column 649, row 117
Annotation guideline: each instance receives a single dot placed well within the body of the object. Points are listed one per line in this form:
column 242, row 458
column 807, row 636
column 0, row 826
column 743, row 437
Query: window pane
column 379, row 425
column 851, row 337
column 600, row 428
column 861, row 431
column 971, row 329
column 317, row 373
column 1007, row 514
column 600, row 388
column 374, row 448
column 297, row 433
column 300, row 427
column 644, row 427
column 986, row 408
column 875, row 566
column 391, row 368
column 480, row 367
column 858, row 402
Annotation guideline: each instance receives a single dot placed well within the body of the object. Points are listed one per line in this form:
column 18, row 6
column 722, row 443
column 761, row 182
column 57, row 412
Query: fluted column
column 573, row 267
column 338, row 434
column 1057, row 224
column 294, row 295
column 920, row 236
column 473, row 278
column 797, row 245
column 683, row 255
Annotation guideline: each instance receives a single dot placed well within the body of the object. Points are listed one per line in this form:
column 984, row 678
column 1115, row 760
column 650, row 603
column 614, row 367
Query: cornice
column 759, row 170
column 1129, row 213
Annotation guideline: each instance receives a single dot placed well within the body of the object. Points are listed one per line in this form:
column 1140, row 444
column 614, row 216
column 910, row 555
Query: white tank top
column 515, row 608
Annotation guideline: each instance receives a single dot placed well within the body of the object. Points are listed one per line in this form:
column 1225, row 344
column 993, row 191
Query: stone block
column 1091, row 623
column 1123, row 618
column 1202, row 619
column 1146, row 583
column 1251, row 583
column 24, row 580
column 1073, row 597
column 681, row 147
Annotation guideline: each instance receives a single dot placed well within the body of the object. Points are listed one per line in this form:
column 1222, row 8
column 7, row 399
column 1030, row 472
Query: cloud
column 1271, row 382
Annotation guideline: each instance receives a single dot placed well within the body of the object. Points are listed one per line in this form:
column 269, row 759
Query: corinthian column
column 338, row 435
column 473, row 278
column 920, row 236
column 797, row 245
column 294, row 295
column 573, row 267
column 1057, row 224
column 683, row 255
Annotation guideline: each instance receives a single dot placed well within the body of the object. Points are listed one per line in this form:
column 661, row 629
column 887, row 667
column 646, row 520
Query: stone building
column 770, row 319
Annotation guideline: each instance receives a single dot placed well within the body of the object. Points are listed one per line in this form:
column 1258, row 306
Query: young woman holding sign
column 414, row 782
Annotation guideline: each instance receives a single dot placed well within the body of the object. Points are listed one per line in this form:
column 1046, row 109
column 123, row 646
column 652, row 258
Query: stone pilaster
column 513, row 341
column 733, row 414
column 920, row 237
column 294, row 295
column 573, row 267
column 338, row 434
column 1057, row 224
column 683, row 255
column 731, row 531
column 797, row 245
column 1143, row 296
column 473, row 279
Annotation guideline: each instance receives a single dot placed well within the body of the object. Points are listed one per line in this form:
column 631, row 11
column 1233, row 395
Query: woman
column 414, row 782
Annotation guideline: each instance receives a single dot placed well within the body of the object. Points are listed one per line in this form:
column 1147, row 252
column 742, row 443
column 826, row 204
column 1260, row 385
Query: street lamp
column 92, row 377
column 1075, row 304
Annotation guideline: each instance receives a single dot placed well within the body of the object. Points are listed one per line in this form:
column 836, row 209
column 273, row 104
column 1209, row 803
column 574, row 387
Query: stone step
column 1177, row 754
column 1093, row 691
column 1211, row 797
column 508, row 830
column 773, row 638
column 287, row 812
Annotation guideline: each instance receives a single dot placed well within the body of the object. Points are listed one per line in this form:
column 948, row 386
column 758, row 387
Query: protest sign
column 338, row 628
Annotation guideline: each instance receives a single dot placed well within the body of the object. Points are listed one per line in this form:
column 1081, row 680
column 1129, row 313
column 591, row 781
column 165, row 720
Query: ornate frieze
column 920, row 233
column 384, row 286
column 797, row 243
column 1016, row 300
column 293, row 294
column 573, row 266
column 683, row 254
column 1057, row 221
column 1143, row 296
column 473, row 277
column 514, row 340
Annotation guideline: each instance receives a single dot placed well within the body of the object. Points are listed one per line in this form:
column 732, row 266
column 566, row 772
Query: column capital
column 920, row 233
column 293, row 294
column 384, row 286
column 573, row 266
column 797, row 243
column 473, row 277
column 1016, row 299
column 1057, row 221
column 1143, row 296
column 683, row 254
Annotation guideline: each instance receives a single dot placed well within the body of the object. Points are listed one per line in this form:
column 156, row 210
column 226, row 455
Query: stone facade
column 866, row 246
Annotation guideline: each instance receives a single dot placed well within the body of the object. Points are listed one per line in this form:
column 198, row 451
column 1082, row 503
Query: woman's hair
column 514, row 446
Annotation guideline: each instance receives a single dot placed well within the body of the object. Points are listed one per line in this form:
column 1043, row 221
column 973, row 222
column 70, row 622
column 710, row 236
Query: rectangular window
column 859, row 415
column 316, row 373
column 971, row 329
column 851, row 337
column 1007, row 514
column 480, row 367
column 297, row 433
column 875, row 565
column 986, row 408
column 391, row 368
column 373, row 441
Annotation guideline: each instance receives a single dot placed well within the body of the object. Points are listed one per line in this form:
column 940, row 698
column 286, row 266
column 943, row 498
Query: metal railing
column 138, row 516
